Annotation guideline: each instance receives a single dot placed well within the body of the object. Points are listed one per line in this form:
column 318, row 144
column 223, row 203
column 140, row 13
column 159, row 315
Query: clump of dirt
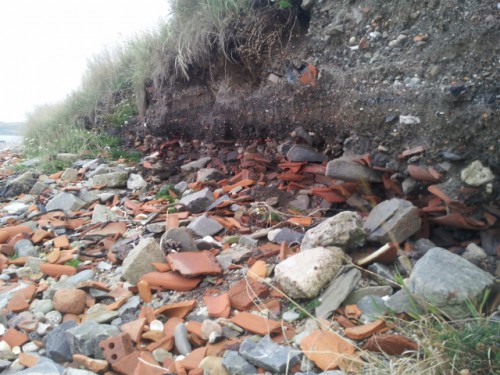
column 435, row 60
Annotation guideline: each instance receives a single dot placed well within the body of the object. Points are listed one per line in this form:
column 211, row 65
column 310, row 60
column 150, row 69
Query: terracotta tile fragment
column 243, row 293
column 18, row 302
column 56, row 270
column 365, row 330
column 54, row 255
column 127, row 364
column 327, row 349
column 152, row 336
column 13, row 337
column 134, row 329
column 344, row 322
column 390, row 344
column 147, row 312
column 218, row 306
column 144, row 367
column 8, row 233
column 169, row 326
column 95, row 365
column 166, row 342
column 144, row 291
column 62, row 242
column 112, row 229
column 178, row 310
column 65, row 256
column 116, row 348
column 352, row 311
column 28, row 360
column 162, row 267
column 193, row 264
column 256, row 324
column 170, row 280
column 40, row 235
column 194, row 358
column 258, row 270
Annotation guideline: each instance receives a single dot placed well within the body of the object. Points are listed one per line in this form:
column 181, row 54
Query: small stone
column 102, row 214
column 57, row 344
column 53, row 317
column 344, row 230
column 136, row 182
column 304, row 153
column 409, row 120
column 209, row 174
column 181, row 237
column 204, row 226
column 235, row 364
column 100, row 314
column 111, row 180
column 84, row 338
column 24, row 248
column 208, row 327
column 138, row 261
column 70, row 175
column 304, row 274
column 474, row 254
column 476, row 174
column 181, row 339
column 197, row 164
column 69, row 301
column 348, row 170
column 66, row 202
column 268, row 355
column 199, row 201
column 285, row 235
column 290, row 316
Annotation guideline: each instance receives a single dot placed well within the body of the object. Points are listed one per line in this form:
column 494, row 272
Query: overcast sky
column 45, row 44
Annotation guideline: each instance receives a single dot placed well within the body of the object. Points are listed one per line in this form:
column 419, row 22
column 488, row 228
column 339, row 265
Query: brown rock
column 327, row 349
column 69, row 301
column 256, row 324
column 243, row 293
column 170, row 280
column 56, row 270
column 194, row 264
column 390, row 344
column 364, row 331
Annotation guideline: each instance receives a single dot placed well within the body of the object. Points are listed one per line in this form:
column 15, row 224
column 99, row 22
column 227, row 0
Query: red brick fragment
column 117, row 347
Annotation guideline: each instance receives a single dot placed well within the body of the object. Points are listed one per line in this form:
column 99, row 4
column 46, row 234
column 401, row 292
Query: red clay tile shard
column 127, row 365
column 170, row 280
column 194, row 358
column 13, row 337
column 194, row 264
column 134, row 329
column 40, row 235
column 56, row 270
column 390, row 344
column 423, row 173
column 365, row 330
column 243, row 293
column 256, row 323
column 18, row 302
column 459, row 221
column 258, row 270
column 8, row 233
column 411, row 151
column 219, row 306
column 61, row 242
column 327, row 350
column 111, row 229
column 117, row 347
column 178, row 310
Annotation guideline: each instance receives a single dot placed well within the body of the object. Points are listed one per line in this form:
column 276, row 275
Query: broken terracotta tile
column 112, row 229
column 162, row 267
column 61, row 242
column 116, row 348
column 28, row 360
column 166, row 343
column 390, row 344
column 179, row 309
column 194, row 358
column 134, row 329
column 66, row 256
column 56, row 270
column 170, row 280
column 256, row 324
column 327, row 349
column 144, row 291
column 352, row 311
column 258, row 270
column 243, row 293
column 365, row 330
column 423, row 173
column 40, row 235
column 18, row 302
column 144, row 367
column 95, row 365
column 127, row 365
column 169, row 326
column 194, row 264
column 344, row 322
column 7, row 233
column 54, row 255
column 154, row 336
column 194, row 327
column 218, row 306
column 13, row 337
column 304, row 221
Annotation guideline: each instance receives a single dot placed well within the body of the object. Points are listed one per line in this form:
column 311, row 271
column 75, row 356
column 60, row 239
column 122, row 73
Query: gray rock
column 138, row 261
column 131, row 306
column 382, row 270
column 209, row 174
column 57, row 344
column 423, row 245
column 301, row 202
column 19, row 185
column 53, row 318
column 24, row 248
column 307, row 4
column 474, row 253
column 475, row 174
column 268, row 355
column 285, row 234
column 88, row 196
column 70, row 175
column 100, row 170
column 409, row 186
column 490, row 240
column 304, row 274
column 300, row 152
column 235, row 364
column 404, row 302
column 181, row 237
column 42, row 368
column 4, row 364
column 347, row 170
column 204, row 226
column 372, row 307
column 111, row 180
column 199, row 201
column 156, row 228
column 218, row 201
column 392, row 220
column 65, row 201
column 85, row 338
column 337, row 292
column 248, row 241
column 41, row 305
column 67, row 157
column 197, row 164
column 102, row 214
column 100, row 314
column 238, row 253
column 84, row 275
column 344, row 230
column 357, row 294
column 38, row 188
column 448, row 281
column 181, row 339
column 136, row 182
column 76, row 371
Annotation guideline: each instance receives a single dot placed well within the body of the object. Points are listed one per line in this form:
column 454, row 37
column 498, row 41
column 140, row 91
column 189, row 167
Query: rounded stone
column 69, row 301
column 53, row 318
